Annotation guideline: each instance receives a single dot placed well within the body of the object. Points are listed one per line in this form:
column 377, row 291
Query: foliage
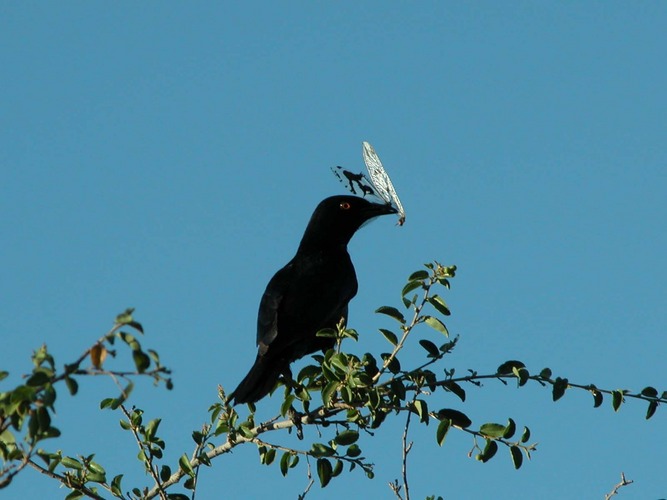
column 345, row 394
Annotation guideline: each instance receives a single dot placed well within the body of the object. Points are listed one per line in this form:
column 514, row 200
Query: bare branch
column 311, row 481
column 624, row 482
column 406, row 449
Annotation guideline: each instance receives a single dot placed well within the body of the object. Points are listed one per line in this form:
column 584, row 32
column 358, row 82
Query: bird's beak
column 377, row 209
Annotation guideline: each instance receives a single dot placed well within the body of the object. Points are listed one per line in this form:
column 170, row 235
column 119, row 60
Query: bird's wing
column 267, row 318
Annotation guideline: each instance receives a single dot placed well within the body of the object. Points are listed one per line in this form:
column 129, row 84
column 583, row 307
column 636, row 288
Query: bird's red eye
column 345, row 205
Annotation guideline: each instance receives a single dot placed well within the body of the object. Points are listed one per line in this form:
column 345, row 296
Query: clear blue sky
column 168, row 156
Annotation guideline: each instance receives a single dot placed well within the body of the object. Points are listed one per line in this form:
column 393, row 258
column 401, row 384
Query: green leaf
column 431, row 348
column 525, row 436
column 151, row 429
column 340, row 362
column 338, row 468
column 508, row 367
column 71, row 463
column 441, row 433
column 492, row 430
column 324, row 471
column 398, row 389
column 165, row 473
column 436, row 324
column 391, row 312
column 409, row 302
column 284, row 463
column 420, row 407
column 116, row 488
column 489, row 451
column 418, row 275
column 522, row 374
column 390, row 336
column 136, row 325
column 650, row 392
column 410, row 286
column 19, row 396
column 597, row 398
column 125, row 317
column 72, row 385
column 616, row 399
column 308, row 372
column 184, row 464
column 545, row 373
column 197, row 437
column 322, row 450
column 74, row 495
column 287, row 404
column 106, row 403
column 326, row 333
column 456, row 389
column 517, row 456
column 560, row 385
column 130, row 341
column 96, row 477
column 374, row 398
column 347, row 437
column 269, row 456
column 652, row 407
column 43, row 419
column 353, row 451
column 394, row 365
column 456, row 417
column 439, row 304
column 51, row 432
column 3, row 374
column 38, row 378
column 141, row 360
column 510, row 429
column 328, row 392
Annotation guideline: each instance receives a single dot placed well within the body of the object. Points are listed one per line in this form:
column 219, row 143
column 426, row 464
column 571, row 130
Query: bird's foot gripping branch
column 334, row 404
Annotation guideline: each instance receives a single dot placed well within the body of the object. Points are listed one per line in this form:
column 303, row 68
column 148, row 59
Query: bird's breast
column 321, row 287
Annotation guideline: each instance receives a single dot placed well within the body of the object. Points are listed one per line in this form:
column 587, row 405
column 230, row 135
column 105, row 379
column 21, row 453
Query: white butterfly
column 381, row 181
column 379, row 185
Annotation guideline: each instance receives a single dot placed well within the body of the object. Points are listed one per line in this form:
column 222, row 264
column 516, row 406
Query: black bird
column 310, row 293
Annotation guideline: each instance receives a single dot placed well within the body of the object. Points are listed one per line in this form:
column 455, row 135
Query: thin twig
column 260, row 442
column 406, row 449
column 311, row 481
column 17, row 468
column 406, row 330
column 66, row 482
column 537, row 378
column 147, row 453
column 624, row 482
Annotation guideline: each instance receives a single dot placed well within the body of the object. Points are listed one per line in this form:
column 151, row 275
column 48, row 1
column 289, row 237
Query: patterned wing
column 350, row 180
column 381, row 181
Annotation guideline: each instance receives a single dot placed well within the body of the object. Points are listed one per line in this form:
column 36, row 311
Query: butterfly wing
column 381, row 181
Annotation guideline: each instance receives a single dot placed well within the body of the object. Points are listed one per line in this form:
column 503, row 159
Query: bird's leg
column 295, row 417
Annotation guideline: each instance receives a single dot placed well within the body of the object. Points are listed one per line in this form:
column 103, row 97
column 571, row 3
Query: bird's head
column 337, row 218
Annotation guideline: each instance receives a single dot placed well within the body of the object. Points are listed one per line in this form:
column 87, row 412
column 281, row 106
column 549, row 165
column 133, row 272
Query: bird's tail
column 260, row 380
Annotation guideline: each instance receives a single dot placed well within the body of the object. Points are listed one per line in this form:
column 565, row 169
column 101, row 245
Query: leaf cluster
column 344, row 396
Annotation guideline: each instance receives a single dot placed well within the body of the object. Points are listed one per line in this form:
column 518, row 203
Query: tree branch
column 624, row 482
